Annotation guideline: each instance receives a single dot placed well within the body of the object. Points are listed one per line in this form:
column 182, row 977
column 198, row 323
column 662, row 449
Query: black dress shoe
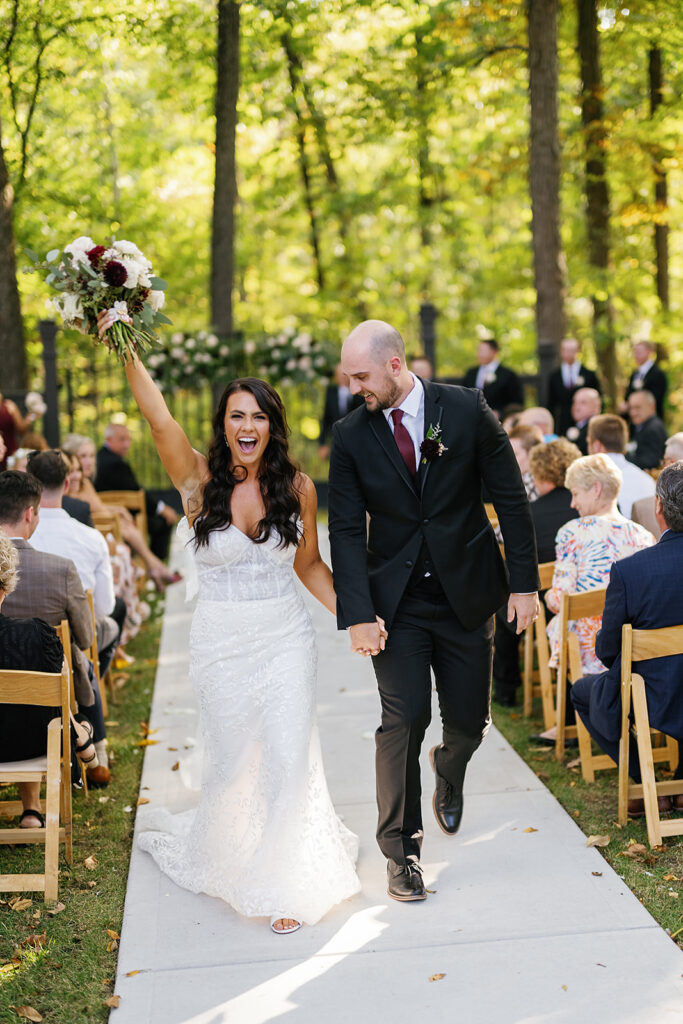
column 446, row 803
column 547, row 741
column 404, row 881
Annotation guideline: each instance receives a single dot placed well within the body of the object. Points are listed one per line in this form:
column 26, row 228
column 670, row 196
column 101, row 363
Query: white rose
column 305, row 363
column 224, row 351
column 177, row 338
column 69, row 307
column 211, row 341
column 78, row 249
column 156, row 300
column 262, row 371
column 127, row 248
column 290, row 364
column 132, row 272
column 190, row 343
column 177, row 353
column 34, row 403
column 286, row 382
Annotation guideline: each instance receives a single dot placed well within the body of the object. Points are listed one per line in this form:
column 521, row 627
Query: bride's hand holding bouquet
column 112, row 284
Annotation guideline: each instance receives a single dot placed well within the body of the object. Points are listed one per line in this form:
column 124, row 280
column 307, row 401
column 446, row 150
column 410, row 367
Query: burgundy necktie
column 403, row 440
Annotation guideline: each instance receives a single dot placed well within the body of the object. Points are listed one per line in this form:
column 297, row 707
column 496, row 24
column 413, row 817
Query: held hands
column 525, row 606
column 368, row 638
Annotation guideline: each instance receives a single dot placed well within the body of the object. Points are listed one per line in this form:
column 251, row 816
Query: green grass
column 594, row 808
column 68, row 980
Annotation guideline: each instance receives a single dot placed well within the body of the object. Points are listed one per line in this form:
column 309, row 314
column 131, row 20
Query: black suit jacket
column 579, row 437
column 372, row 562
column 650, row 438
column 560, row 397
column 506, row 389
column 332, row 411
column 652, row 606
column 78, row 509
column 115, row 474
column 549, row 512
column 654, row 381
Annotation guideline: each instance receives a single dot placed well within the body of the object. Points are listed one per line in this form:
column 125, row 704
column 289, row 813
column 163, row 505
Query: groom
column 411, row 543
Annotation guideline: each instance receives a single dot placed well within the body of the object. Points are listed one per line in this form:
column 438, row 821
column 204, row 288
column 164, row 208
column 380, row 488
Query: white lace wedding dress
column 264, row 837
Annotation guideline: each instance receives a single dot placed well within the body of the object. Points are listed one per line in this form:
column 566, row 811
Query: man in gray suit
column 50, row 589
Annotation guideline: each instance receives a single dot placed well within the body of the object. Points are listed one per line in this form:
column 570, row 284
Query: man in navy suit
column 646, row 591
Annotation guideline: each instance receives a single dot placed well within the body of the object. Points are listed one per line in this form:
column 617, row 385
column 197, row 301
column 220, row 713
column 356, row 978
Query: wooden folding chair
column 491, row 513
column 93, row 655
column 64, row 633
column 41, row 689
column 538, row 680
column 134, row 501
column 641, row 645
column 572, row 607
column 107, row 523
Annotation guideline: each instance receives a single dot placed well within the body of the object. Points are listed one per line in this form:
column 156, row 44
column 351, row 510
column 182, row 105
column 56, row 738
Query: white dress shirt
column 413, row 409
column 57, row 533
column 636, row 483
column 484, row 371
column 643, row 370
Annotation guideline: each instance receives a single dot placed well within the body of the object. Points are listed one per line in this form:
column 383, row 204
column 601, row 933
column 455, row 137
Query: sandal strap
column 33, row 814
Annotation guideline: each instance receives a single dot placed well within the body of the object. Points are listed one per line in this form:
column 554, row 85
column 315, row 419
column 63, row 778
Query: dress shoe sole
column 407, row 899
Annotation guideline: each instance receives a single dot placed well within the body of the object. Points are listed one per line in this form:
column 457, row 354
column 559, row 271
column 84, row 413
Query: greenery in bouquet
column 189, row 360
column 91, row 278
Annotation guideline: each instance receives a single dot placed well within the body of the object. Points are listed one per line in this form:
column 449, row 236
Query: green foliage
column 415, row 119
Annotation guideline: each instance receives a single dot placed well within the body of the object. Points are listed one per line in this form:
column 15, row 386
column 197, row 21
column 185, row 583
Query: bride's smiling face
column 247, row 428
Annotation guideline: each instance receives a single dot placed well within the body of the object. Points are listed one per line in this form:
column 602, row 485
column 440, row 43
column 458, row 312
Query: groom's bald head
column 375, row 340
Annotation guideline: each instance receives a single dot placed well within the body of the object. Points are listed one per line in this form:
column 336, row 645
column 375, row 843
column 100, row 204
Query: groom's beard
column 386, row 400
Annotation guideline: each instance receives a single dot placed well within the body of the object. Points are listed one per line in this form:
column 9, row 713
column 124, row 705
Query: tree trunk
column 597, row 193
column 661, row 198
column 225, row 189
column 544, row 184
column 294, row 71
column 425, row 198
column 11, row 324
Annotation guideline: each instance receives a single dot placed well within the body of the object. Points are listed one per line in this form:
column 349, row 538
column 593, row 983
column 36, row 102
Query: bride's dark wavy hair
column 276, row 475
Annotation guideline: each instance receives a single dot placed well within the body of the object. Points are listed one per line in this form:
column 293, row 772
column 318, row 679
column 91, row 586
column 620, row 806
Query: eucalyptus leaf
column 158, row 284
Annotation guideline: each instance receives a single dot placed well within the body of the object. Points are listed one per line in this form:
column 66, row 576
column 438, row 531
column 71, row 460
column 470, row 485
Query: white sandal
column 284, row 931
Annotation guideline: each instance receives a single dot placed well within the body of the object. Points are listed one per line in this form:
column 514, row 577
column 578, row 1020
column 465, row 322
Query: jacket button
column 409, row 564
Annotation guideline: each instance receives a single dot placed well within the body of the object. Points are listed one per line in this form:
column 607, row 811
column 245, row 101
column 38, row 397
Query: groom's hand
column 367, row 638
column 525, row 607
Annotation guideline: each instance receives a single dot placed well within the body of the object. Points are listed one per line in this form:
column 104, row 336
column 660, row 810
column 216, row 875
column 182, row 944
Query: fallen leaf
column 598, row 874
column 27, row 1012
column 35, row 941
column 111, row 725
column 564, row 988
column 57, row 909
column 113, row 1001
column 598, row 964
column 9, row 967
column 673, row 895
column 90, row 863
column 574, row 763
column 142, row 800
column 171, row 748
column 20, row 904
column 572, row 784
column 530, row 829
column 575, row 814
column 634, row 850
column 127, row 809
column 671, row 878
column 146, row 743
column 436, row 977
column 91, row 885
column 112, row 946
column 131, row 973
column 543, row 776
column 175, row 767
column 112, row 934
column 597, row 841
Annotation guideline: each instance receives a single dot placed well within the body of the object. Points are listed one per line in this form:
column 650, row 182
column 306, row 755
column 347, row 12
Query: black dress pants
column 425, row 635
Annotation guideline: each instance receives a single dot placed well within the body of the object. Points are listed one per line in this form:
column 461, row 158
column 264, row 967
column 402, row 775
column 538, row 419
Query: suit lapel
column 382, row 432
column 433, row 414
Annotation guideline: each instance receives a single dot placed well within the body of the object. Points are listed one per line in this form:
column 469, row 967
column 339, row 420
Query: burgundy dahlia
column 115, row 274
column 96, row 254
column 430, row 448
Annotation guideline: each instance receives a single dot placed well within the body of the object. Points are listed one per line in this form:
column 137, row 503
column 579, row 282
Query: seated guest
column 585, row 550
column 563, row 383
column 33, row 646
column 551, row 510
column 500, row 385
column 539, row 417
column 115, row 474
column 523, row 438
column 643, row 510
column 586, row 547
column 586, row 403
column 609, row 434
column 76, row 507
column 673, row 450
column 84, row 449
column 649, row 433
column 509, row 417
column 49, row 587
column 644, row 590
column 338, row 402
column 58, row 534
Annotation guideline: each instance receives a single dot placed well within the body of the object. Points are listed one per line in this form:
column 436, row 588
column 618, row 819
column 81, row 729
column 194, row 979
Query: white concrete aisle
column 523, row 926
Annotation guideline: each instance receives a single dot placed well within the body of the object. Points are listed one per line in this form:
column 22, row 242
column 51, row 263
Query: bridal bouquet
column 92, row 278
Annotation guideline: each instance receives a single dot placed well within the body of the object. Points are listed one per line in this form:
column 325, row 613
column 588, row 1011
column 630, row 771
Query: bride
column 264, row 836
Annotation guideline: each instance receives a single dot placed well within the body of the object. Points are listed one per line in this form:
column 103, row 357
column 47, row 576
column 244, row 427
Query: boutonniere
column 638, row 383
column 580, row 381
column 431, row 448
column 572, row 433
column 489, row 378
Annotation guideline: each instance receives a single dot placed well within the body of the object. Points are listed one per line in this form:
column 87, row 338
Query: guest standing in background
column 500, row 385
column 12, row 426
column 338, row 402
column 649, row 433
column 586, row 403
column 647, row 376
column 565, row 381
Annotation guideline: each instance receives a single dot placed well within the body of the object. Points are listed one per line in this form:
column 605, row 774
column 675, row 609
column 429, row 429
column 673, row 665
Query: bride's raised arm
column 186, row 467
